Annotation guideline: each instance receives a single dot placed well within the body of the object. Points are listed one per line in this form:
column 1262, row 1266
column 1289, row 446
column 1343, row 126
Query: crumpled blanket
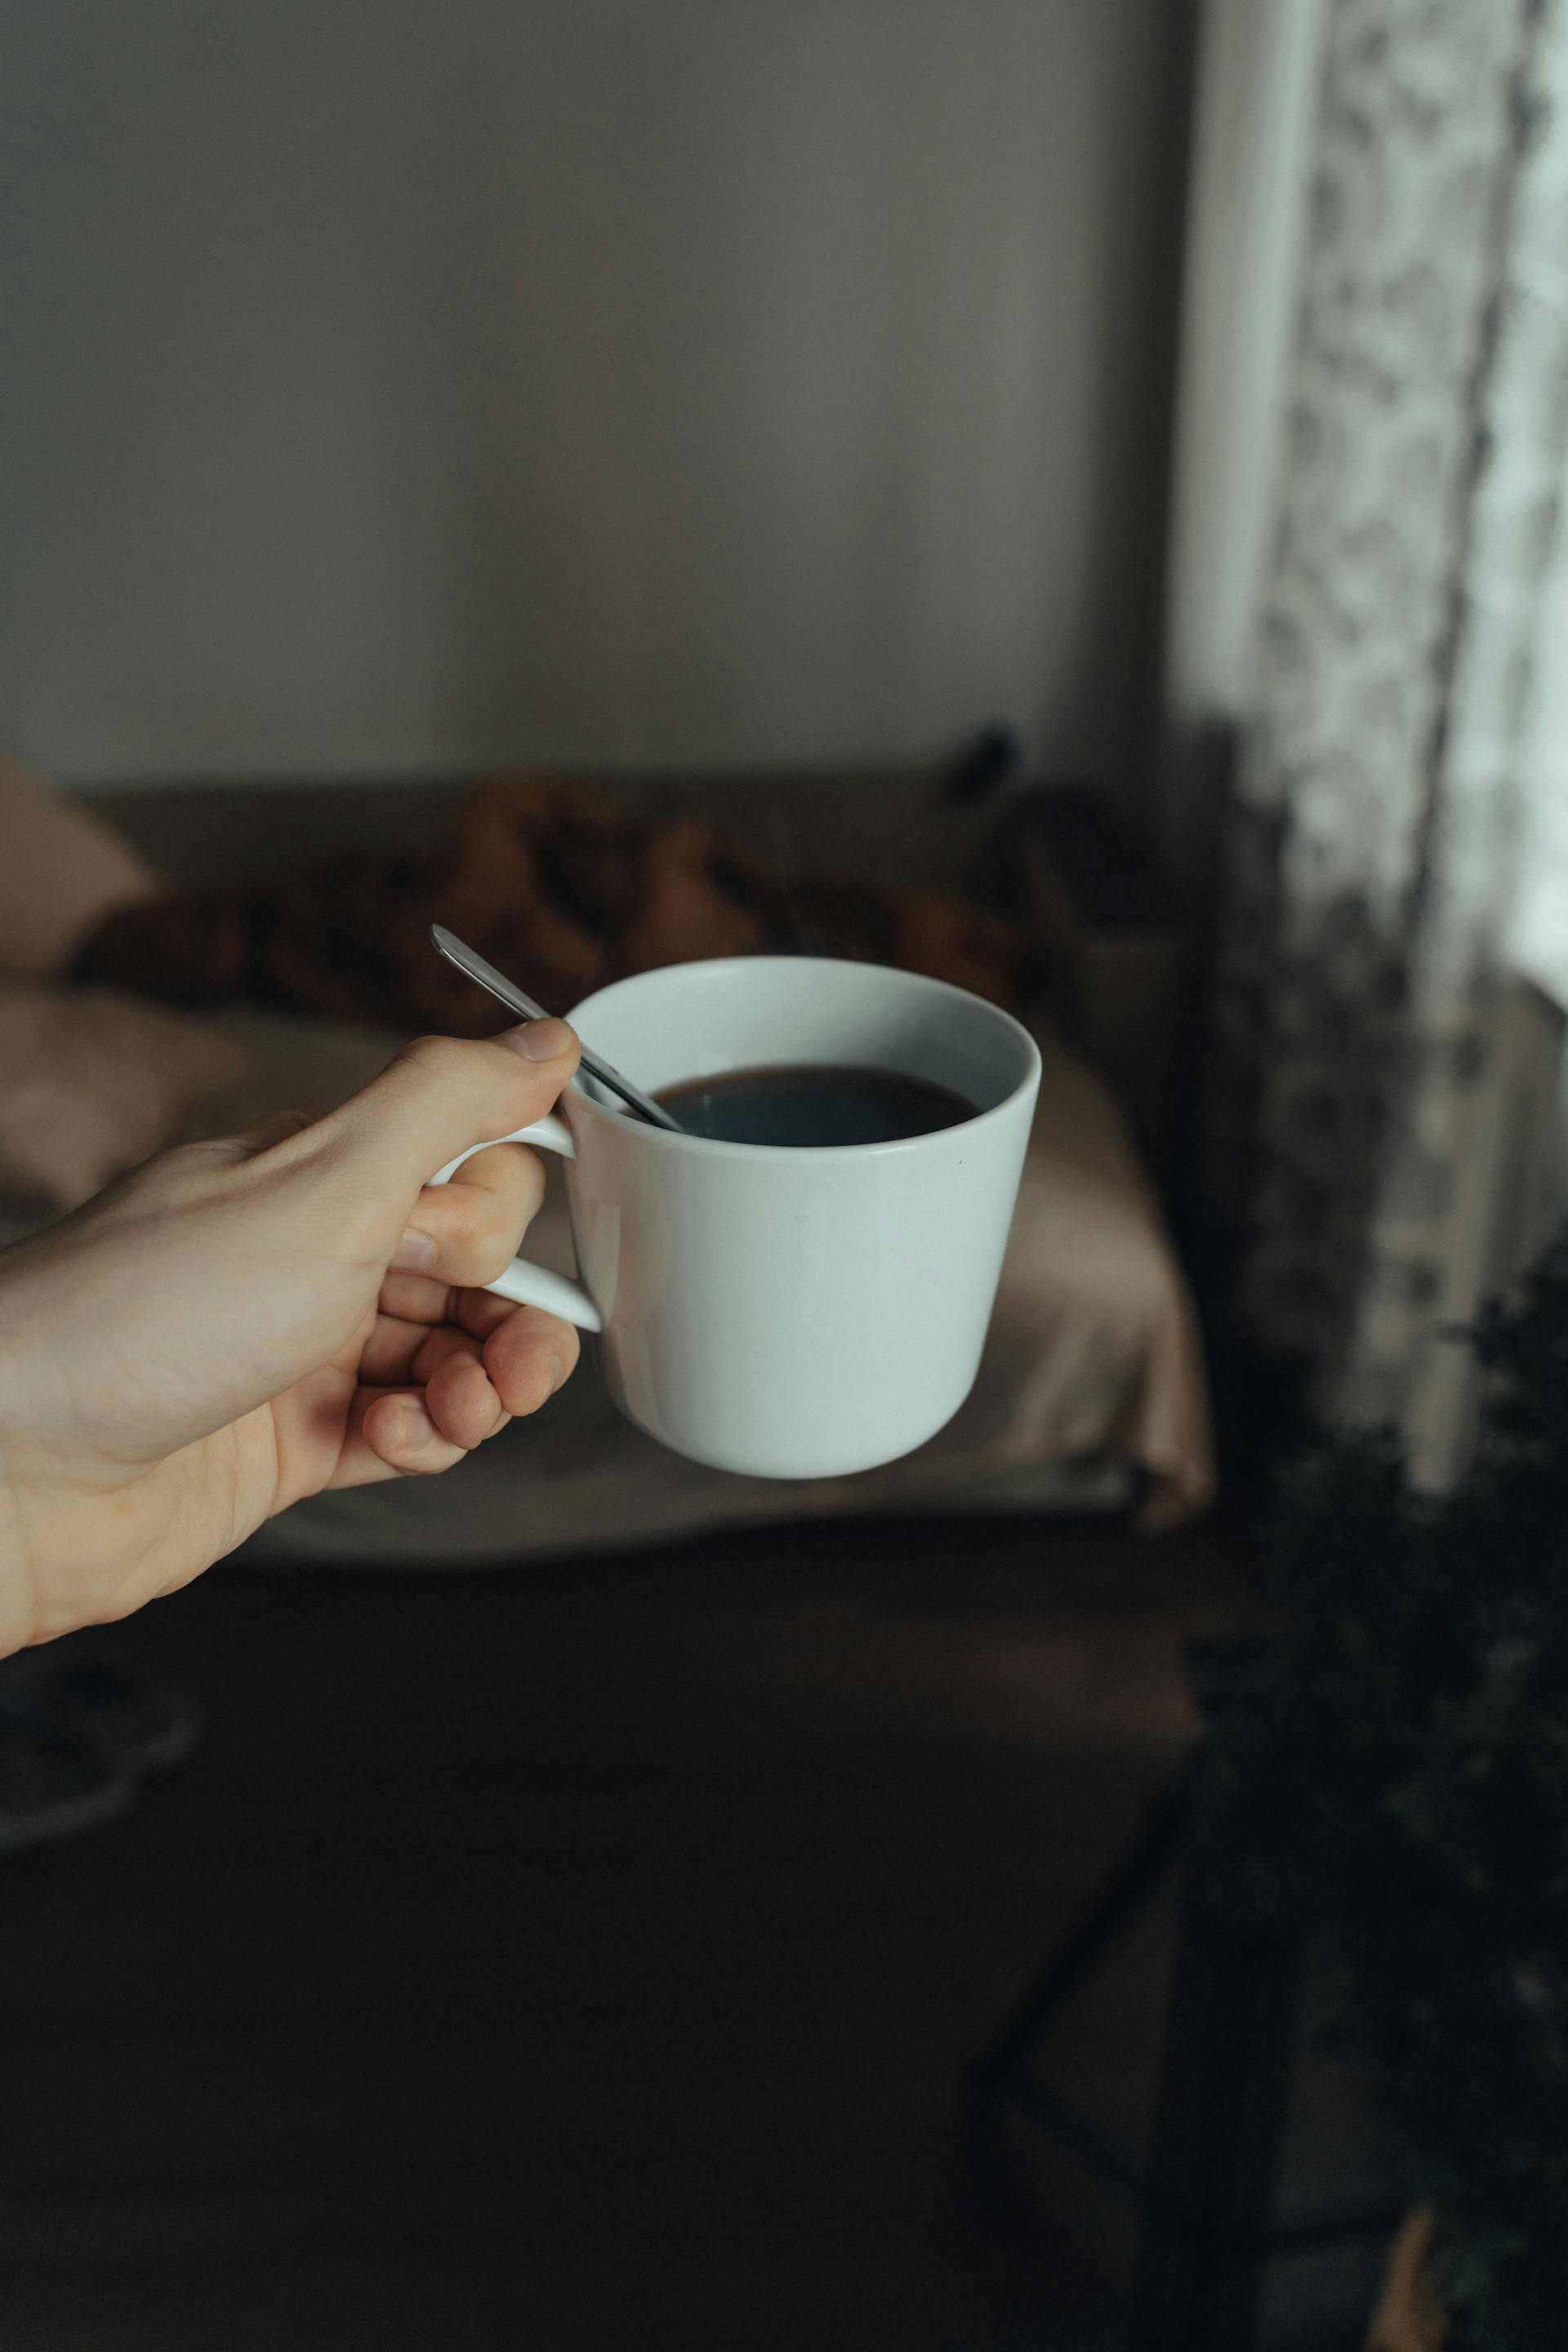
column 558, row 887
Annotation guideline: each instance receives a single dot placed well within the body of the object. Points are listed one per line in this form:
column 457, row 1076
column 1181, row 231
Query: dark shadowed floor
column 582, row 1960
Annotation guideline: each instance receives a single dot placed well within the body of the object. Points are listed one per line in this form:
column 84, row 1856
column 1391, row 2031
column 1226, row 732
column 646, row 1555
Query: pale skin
column 238, row 1324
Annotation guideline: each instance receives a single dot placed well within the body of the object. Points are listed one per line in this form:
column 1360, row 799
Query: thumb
column 443, row 1094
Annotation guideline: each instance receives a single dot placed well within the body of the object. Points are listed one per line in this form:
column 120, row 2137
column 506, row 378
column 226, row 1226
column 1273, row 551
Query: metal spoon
column 513, row 997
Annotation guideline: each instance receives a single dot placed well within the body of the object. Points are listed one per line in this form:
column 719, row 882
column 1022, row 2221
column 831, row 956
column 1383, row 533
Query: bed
column 1091, row 1395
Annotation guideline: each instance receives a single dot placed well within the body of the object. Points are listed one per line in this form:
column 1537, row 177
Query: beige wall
column 399, row 384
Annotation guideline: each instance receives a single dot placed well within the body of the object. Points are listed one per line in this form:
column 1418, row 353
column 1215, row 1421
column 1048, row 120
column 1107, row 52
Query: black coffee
column 812, row 1106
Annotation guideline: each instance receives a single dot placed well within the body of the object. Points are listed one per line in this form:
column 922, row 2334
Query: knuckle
column 530, row 1384
column 187, row 1172
column 281, row 1128
column 187, row 1160
column 526, row 1353
column 483, row 1242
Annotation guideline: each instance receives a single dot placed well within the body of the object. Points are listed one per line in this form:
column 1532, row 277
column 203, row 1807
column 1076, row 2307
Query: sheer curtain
column 1400, row 772
column 1540, row 930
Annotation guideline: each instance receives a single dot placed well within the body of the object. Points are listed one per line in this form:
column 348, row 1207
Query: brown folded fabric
column 556, row 886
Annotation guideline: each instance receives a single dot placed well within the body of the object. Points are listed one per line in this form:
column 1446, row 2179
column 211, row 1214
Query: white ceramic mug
column 791, row 1313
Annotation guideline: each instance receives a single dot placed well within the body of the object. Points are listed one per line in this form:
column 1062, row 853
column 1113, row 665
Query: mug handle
column 527, row 1284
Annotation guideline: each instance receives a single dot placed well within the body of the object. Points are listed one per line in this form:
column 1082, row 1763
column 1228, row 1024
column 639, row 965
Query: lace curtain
column 1392, row 779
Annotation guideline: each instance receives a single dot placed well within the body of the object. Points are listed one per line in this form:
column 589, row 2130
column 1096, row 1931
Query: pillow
column 60, row 874
column 91, row 1082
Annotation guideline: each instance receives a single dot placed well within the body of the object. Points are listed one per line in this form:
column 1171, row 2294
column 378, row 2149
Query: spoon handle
column 513, row 997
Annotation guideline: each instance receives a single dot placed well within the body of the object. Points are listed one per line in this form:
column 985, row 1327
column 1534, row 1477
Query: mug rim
column 666, row 1139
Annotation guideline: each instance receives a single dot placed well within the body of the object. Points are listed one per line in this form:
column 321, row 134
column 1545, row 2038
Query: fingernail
column 414, row 1253
column 557, row 1374
column 544, row 1041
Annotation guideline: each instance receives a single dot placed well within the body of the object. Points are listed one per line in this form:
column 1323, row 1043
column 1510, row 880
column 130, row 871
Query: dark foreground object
column 587, row 1959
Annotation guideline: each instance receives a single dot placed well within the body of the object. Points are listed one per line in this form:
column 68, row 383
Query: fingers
column 395, row 1354
column 451, row 1385
column 528, row 1355
column 443, row 1094
column 399, row 1435
column 467, row 1231
column 391, row 1436
column 416, row 1299
column 456, row 1386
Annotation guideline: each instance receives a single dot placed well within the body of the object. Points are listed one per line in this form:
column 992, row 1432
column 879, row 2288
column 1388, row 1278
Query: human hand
column 238, row 1325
